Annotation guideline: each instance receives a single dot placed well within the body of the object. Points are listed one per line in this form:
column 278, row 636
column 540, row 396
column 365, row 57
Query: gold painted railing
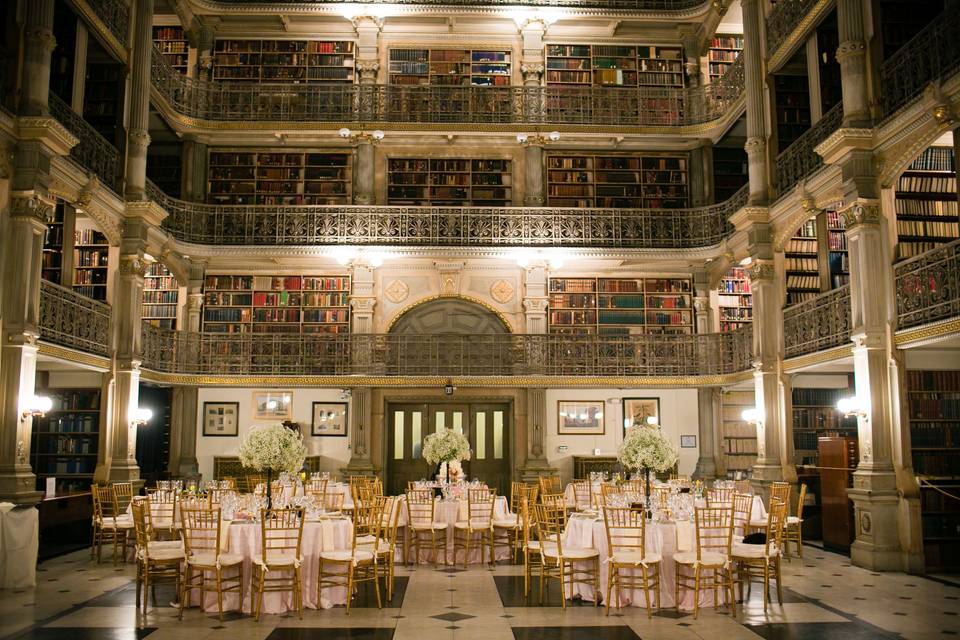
column 928, row 286
column 659, row 6
column 817, row 324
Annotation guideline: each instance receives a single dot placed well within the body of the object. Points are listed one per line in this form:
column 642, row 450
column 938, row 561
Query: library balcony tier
column 289, row 225
column 73, row 320
column 928, row 286
column 801, row 159
column 818, row 324
column 194, row 102
column 635, row 6
column 113, row 14
column 93, row 152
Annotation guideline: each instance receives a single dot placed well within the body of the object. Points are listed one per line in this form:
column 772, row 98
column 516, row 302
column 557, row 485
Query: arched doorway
column 457, row 316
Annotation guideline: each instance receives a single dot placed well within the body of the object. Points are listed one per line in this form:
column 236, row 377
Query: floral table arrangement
column 645, row 448
column 273, row 448
column 446, row 446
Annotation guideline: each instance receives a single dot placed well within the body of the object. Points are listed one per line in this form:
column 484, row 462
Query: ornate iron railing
column 800, row 159
column 817, row 324
column 445, row 355
column 93, row 152
column 784, row 19
column 268, row 225
column 622, row 5
column 438, row 104
column 115, row 15
column 928, row 286
column 72, row 320
column 930, row 55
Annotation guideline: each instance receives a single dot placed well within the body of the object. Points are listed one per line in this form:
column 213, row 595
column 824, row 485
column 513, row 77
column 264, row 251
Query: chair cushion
column 793, row 520
column 752, row 551
column 758, row 524
column 707, row 558
column 580, row 554
column 165, row 553
column 476, row 526
column 534, row 544
column 635, row 558
column 347, row 556
column 209, row 559
column 279, row 559
column 156, row 545
column 120, row 523
column 507, row 523
column 436, row 526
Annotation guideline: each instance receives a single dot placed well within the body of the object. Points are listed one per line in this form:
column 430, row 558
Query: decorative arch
column 446, row 314
column 940, row 114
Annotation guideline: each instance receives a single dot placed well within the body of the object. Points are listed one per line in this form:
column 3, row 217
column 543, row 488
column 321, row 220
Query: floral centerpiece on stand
column 274, row 448
column 446, row 446
column 645, row 448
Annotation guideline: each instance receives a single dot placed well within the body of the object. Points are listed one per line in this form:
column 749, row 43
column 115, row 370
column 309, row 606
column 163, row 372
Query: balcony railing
column 817, row 324
column 445, row 355
column 784, row 19
column 387, row 104
column 800, row 159
column 928, row 286
column 929, row 56
column 115, row 14
column 267, row 225
column 72, row 320
column 621, row 5
column 93, row 152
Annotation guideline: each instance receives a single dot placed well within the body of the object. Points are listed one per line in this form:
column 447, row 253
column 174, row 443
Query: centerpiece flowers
column 273, row 448
column 646, row 448
column 446, row 445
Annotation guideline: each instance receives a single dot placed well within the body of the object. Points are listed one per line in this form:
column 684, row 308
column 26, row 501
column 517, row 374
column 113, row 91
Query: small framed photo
column 688, row 442
column 272, row 405
column 220, row 419
column 329, row 419
column 637, row 411
column 580, row 417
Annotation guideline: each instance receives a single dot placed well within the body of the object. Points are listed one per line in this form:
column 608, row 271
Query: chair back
column 389, row 518
column 123, row 492
column 200, row 529
column 714, row 529
column 368, row 516
column 105, row 501
column 583, row 494
column 161, row 510
column 140, row 508
column 253, row 481
column 776, row 522
column 551, row 520
column 480, row 508
column 316, row 487
column 550, row 484
column 281, row 534
column 780, row 491
column 661, row 496
column 229, row 482
column 215, row 497
column 626, row 531
column 719, row 497
column 743, row 486
column 420, row 506
column 742, row 510
column 636, row 486
column 194, row 502
column 333, row 500
column 518, row 491
column 800, row 500
column 527, row 519
column 609, row 491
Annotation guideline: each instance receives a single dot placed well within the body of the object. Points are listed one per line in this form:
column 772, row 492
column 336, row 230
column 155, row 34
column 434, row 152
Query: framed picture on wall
column 580, row 418
column 272, row 405
column 688, row 442
column 221, row 419
column 636, row 411
column 329, row 419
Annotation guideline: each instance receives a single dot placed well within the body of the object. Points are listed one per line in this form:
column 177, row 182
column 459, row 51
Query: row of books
column 277, row 283
column 89, row 237
column 736, row 313
column 934, row 159
column 89, row 258
column 928, row 381
column 71, row 445
column 75, row 423
column 926, row 207
column 159, row 283
column 734, row 286
column 801, row 245
column 727, row 42
column 740, row 446
column 934, row 434
column 941, row 406
column 801, row 264
column 89, row 277
column 803, row 282
column 573, row 301
column 820, row 418
column 837, row 241
column 925, row 184
column 925, row 228
column 308, row 46
column 935, row 463
column 69, row 466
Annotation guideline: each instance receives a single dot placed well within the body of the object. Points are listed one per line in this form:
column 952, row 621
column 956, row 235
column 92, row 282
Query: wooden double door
column 486, row 425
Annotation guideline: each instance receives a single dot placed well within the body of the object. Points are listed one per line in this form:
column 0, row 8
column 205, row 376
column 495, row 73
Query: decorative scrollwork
column 115, row 15
column 928, row 286
column 817, row 324
column 93, row 152
column 800, row 159
column 72, row 320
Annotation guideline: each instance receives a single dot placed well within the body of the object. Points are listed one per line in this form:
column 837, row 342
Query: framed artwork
column 220, row 419
column 272, row 405
column 637, row 410
column 329, row 419
column 580, row 417
column 688, row 442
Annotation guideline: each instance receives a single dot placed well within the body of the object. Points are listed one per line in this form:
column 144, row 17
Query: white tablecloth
column 451, row 512
column 19, row 542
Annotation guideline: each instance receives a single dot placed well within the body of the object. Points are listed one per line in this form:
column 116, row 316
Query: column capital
column 32, row 205
column 535, row 304
column 761, row 271
column 133, row 265
column 861, row 213
column 851, row 49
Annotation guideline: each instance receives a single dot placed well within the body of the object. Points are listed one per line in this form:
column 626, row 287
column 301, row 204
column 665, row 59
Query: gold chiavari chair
column 356, row 566
column 681, row 480
column 550, row 484
column 743, row 486
column 110, row 524
column 583, row 494
column 203, row 555
column 254, row 480
column 531, row 542
column 281, row 538
column 161, row 514
column 608, row 491
column 123, row 493
column 215, row 497
column 506, row 529
column 316, row 487
column 627, row 543
column 742, row 508
column 421, row 528
column 794, row 526
column 762, row 560
column 708, row 565
column 333, row 501
column 478, row 528
column 661, row 496
column 719, row 497
column 778, row 491
column 560, row 564
column 156, row 561
column 389, row 508
column 635, row 486
column 231, row 483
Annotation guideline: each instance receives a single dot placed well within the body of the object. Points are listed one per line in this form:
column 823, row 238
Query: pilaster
column 532, row 61
column 360, row 428
column 533, row 173
column 535, row 297
column 703, row 313
column 852, row 56
column 183, row 432
column 536, row 463
column 138, row 136
column 362, row 298
column 368, row 48
column 364, row 173
column 753, row 67
column 195, row 294
column 708, row 411
column 38, row 45
column 193, row 185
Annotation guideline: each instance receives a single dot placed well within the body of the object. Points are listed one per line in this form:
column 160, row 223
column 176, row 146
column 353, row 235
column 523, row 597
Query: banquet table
column 450, row 512
column 19, row 543
column 666, row 538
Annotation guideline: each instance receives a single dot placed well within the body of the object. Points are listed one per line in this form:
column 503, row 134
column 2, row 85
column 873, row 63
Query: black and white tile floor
column 824, row 599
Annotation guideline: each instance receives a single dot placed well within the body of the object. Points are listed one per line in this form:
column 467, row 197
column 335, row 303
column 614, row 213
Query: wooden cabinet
column 838, row 460
column 583, row 466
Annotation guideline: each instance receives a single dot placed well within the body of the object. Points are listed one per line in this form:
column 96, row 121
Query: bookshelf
column 792, row 104
column 734, row 300
column 900, row 20
column 723, row 52
column 828, row 41
column 599, row 65
column 926, row 203
column 164, row 166
column 934, row 406
column 815, row 415
column 289, row 177
column 449, row 181
column 91, row 258
column 51, row 268
column 160, row 297
column 621, row 306
column 451, row 67
column 276, row 304
column 625, row 181
column 66, row 439
column 838, row 258
column 739, row 439
column 288, row 61
column 802, row 263
column 103, row 99
column 172, row 42
column 729, row 171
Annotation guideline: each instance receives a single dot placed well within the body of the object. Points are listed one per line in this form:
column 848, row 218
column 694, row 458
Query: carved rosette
column 397, row 291
column 502, row 291
column 861, row 213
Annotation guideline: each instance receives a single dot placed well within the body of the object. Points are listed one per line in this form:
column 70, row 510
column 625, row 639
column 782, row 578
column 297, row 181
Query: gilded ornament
column 397, row 291
column 861, row 213
column 502, row 291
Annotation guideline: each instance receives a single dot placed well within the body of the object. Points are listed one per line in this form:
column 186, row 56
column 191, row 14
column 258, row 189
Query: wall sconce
column 448, row 388
column 555, row 259
column 537, row 139
column 362, row 137
column 753, row 415
column 140, row 416
column 37, row 407
column 851, row 407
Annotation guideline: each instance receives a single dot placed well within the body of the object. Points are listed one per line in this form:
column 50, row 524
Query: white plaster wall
column 678, row 416
column 334, row 452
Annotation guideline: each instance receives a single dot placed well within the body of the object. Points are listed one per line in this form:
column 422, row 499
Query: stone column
column 38, row 45
column 852, row 56
column 360, row 433
column 533, row 173
column 364, row 173
column 703, row 314
column 368, row 48
column 79, row 67
column 183, row 432
column 362, row 297
column 535, row 297
column 691, row 67
column 708, row 411
column 195, row 294
column 203, row 36
column 193, row 185
column 138, row 136
column 536, row 463
column 753, row 67
column 532, row 62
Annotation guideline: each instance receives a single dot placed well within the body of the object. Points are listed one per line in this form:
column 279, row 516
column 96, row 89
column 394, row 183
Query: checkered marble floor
column 825, row 598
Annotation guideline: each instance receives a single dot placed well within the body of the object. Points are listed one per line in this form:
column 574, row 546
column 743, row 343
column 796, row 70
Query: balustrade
column 72, row 320
column 115, row 14
column 801, row 159
column 784, row 20
column 93, row 152
column 620, row 5
column 928, row 286
column 817, row 324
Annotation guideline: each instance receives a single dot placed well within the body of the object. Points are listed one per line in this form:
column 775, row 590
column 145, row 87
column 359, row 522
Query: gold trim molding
column 71, row 355
column 941, row 329
column 802, row 362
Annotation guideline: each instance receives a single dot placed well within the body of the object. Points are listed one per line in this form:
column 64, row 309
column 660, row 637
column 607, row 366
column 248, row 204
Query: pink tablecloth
column 451, row 512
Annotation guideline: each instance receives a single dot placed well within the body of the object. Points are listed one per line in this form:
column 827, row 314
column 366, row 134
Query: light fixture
column 271, row 405
column 537, row 140
column 448, row 388
column 851, row 407
column 746, row 262
column 140, row 416
column 526, row 257
column 37, row 407
column 363, row 137
column 753, row 415
column 651, row 420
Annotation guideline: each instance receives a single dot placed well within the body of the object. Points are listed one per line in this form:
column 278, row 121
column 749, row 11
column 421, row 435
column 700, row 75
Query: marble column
column 204, row 37
column 364, row 172
column 533, row 174
column 363, row 297
column 753, row 67
column 195, row 294
column 368, row 48
column 708, row 412
column 79, row 67
column 362, row 304
column 138, row 136
column 535, row 297
column 703, row 313
column 536, row 463
column 360, row 433
column 183, row 432
column 852, row 56
column 193, row 184
column 532, row 62
column 38, row 45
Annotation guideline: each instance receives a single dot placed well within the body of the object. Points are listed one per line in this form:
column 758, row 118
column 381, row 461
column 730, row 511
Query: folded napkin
column 6, row 506
column 685, row 535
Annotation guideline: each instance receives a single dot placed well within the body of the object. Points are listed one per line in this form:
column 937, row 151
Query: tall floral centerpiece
column 446, row 445
column 646, row 448
column 273, row 448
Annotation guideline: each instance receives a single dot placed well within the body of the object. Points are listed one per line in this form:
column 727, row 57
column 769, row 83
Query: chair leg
column 297, row 593
column 779, row 582
column 349, row 586
column 263, row 575
column 146, row 588
column 563, row 584
column 766, row 585
column 646, row 591
column 610, row 579
column 696, row 592
column 376, row 587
